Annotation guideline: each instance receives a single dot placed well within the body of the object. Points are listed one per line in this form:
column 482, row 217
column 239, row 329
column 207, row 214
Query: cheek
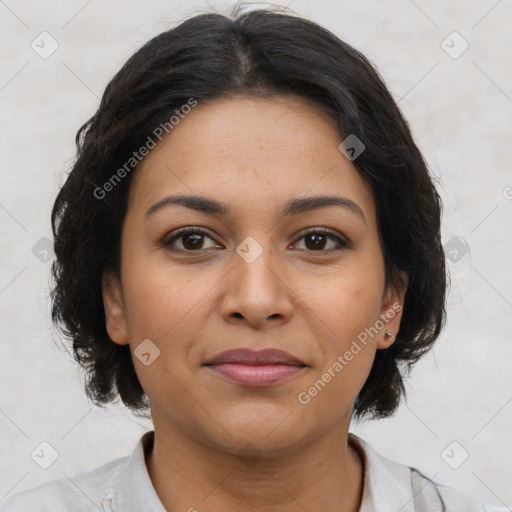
column 160, row 294
column 161, row 301
column 348, row 350
column 349, row 306
column 348, row 302
column 167, row 304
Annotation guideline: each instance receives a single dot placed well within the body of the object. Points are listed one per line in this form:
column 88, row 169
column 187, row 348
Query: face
column 307, row 280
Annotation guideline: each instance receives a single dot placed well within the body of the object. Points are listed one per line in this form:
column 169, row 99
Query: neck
column 326, row 475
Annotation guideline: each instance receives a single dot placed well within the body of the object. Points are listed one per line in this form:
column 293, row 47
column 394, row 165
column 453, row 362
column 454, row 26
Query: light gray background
column 460, row 113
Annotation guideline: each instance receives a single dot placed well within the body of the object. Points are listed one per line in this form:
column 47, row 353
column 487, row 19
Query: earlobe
column 115, row 320
column 389, row 339
column 391, row 312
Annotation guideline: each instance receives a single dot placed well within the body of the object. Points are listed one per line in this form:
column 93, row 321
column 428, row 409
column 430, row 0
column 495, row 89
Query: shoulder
column 407, row 489
column 91, row 491
column 120, row 485
column 428, row 493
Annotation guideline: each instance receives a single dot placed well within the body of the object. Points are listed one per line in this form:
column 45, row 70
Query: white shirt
column 124, row 485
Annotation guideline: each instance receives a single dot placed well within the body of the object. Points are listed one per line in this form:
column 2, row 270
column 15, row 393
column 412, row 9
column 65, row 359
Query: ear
column 113, row 303
column 392, row 310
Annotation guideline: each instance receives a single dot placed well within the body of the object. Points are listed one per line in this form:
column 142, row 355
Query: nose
column 256, row 291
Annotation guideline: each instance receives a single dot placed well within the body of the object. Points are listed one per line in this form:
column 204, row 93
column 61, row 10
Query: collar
column 387, row 484
column 136, row 491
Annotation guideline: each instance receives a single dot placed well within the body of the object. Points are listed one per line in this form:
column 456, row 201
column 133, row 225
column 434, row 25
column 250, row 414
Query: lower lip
column 261, row 375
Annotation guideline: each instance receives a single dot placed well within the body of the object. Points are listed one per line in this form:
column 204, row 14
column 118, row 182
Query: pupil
column 197, row 240
column 319, row 240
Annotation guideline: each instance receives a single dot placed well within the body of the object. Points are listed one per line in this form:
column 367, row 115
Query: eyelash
column 166, row 242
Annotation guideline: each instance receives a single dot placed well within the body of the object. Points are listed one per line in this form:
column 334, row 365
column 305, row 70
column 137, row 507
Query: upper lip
column 250, row 357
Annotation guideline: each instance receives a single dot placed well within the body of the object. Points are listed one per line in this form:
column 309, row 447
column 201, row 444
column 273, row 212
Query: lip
column 246, row 356
column 261, row 368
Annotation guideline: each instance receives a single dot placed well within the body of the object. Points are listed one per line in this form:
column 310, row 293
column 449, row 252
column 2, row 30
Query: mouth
column 262, row 368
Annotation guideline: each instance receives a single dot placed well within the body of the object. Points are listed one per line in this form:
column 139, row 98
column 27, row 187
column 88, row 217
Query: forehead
column 250, row 153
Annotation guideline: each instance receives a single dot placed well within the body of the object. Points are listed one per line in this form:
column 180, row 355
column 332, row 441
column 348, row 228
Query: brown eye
column 317, row 239
column 192, row 240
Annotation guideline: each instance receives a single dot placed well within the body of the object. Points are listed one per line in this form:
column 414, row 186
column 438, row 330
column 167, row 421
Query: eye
column 316, row 240
column 191, row 240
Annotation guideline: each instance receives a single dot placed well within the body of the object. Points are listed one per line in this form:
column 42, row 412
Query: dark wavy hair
column 260, row 53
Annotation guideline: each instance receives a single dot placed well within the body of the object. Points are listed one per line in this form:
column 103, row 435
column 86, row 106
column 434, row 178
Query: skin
column 308, row 300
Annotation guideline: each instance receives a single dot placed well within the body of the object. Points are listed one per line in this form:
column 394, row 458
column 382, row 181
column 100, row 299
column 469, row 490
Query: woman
column 248, row 245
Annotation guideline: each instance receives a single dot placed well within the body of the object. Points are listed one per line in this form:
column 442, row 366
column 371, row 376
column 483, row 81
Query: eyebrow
column 295, row 206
